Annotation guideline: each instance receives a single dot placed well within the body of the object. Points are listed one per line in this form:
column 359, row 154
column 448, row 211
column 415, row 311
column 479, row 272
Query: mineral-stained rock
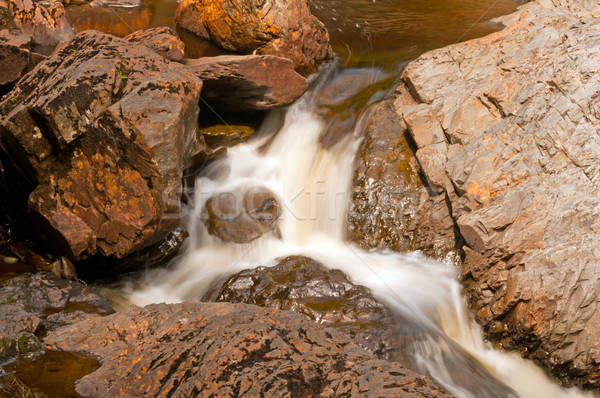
column 162, row 40
column 283, row 27
column 46, row 24
column 16, row 56
column 389, row 207
column 242, row 217
column 305, row 286
column 520, row 110
column 106, row 126
column 36, row 303
column 248, row 82
column 222, row 349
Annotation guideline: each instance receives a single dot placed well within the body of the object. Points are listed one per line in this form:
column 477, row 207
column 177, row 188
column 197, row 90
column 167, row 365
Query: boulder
column 327, row 296
column 242, row 217
column 47, row 24
column 106, row 127
column 35, row 304
column 283, row 28
column 248, row 82
column 222, row 349
column 389, row 206
column 16, row 56
column 519, row 164
column 162, row 40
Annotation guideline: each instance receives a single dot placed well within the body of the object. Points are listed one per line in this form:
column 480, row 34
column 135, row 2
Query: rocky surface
column 222, row 349
column 106, row 126
column 249, row 82
column 162, row 40
column 390, row 208
column 47, row 24
column 35, row 304
column 282, row 28
column 16, row 56
column 242, row 217
column 327, row 296
column 507, row 129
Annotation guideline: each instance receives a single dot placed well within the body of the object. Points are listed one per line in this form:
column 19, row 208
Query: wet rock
column 282, row 28
column 16, row 57
column 222, row 349
column 242, row 217
column 106, row 126
column 161, row 40
column 34, row 304
column 116, row 3
column 327, row 296
column 519, row 111
column 48, row 25
column 220, row 135
column 390, row 208
column 248, row 82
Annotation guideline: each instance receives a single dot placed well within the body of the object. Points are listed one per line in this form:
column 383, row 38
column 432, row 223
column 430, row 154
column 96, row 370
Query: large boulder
column 327, row 296
column 222, row 349
column 248, row 82
column 47, row 24
column 106, row 127
column 390, row 208
column 507, row 129
column 285, row 28
column 162, row 40
column 16, row 57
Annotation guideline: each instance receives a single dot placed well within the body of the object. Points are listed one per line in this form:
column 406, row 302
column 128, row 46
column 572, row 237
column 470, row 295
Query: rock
column 161, row 40
column 282, row 28
column 220, row 135
column 248, row 82
column 520, row 115
column 16, row 57
column 116, row 3
column 327, row 296
column 35, row 304
column 222, row 349
column 242, row 217
column 48, row 25
column 389, row 207
column 106, row 126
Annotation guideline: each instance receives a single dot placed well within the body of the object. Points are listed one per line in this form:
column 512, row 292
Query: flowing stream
column 312, row 183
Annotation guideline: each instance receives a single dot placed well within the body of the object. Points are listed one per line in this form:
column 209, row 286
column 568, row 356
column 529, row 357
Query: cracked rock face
column 106, row 127
column 284, row 28
column 229, row 350
column 520, row 161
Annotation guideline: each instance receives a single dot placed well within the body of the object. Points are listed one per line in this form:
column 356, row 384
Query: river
column 372, row 38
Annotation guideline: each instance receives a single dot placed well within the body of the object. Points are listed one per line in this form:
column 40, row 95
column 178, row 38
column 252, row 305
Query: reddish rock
column 106, row 126
column 283, row 28
column 222, row 349
column 519, row 167
column 16, row 56
column 242, row 217
column 161, row 40
column 250, row 82
column 46, row 24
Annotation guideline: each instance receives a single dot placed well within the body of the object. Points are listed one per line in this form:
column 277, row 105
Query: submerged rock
column 106, row 126
column 248, row 82
column 283, row 28
column 327, row 296
column 222, row 349
column 242, row 218
column 48, row 25
column 161, row 40
column 518, row 161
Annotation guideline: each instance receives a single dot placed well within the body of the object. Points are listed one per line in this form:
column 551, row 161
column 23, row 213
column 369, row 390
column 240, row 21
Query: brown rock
column 106, row 126
column 218, row 349
column 242, row 217
column 282, row 28
column 327, row 296
column 520, row 110
column 16, row 56
column 46, row 24
column 249, row 82
column 161, row 40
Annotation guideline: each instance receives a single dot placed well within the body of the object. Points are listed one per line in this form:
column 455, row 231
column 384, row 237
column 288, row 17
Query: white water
column 312, row 184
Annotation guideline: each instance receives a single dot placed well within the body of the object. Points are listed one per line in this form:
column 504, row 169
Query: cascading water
column 312, row 185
